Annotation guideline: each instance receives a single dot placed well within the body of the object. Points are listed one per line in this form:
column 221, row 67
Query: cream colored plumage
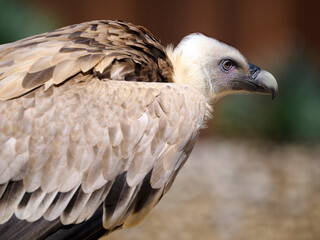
column 96, row 114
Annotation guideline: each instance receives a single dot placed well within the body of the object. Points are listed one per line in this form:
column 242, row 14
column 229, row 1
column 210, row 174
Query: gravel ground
column 234, row 190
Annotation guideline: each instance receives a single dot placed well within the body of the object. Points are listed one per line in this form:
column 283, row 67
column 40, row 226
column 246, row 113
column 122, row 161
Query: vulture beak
column 262, row 81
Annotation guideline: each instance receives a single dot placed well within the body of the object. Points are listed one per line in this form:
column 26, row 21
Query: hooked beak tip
column 267, row 81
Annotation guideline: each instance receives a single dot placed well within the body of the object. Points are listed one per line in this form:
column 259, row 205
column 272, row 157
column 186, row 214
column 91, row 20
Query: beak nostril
column 254, row 73
column 254, row 70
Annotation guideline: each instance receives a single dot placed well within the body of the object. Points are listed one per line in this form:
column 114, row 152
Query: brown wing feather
column 108, row 49
column 96, row 131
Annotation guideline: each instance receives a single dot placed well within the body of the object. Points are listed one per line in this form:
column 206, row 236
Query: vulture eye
column 227, row 65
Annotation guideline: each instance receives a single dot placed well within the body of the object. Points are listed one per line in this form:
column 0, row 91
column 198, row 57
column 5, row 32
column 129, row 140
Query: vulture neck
column 185, row 71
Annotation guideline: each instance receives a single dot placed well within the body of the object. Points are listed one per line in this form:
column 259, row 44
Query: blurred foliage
column 19, row 20
column 293, row 116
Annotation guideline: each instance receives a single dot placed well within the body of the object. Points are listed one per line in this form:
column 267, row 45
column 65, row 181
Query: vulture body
column 96, row 120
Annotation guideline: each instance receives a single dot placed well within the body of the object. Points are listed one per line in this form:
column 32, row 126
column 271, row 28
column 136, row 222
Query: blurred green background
column 280, row 36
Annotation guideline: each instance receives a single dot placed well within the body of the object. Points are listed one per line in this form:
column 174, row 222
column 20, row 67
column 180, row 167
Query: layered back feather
column 113, row 50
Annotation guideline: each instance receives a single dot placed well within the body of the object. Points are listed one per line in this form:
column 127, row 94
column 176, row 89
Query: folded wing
column 67, row 150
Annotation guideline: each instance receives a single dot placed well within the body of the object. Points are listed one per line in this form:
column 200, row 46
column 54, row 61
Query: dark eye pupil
column 227, row 65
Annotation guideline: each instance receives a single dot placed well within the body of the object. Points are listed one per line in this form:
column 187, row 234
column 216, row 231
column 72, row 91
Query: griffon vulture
column 97, row 119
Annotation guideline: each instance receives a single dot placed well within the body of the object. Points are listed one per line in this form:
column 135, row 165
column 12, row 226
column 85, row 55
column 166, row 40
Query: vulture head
column 218, row 69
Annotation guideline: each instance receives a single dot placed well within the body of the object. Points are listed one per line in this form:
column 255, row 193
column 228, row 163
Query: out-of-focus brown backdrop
column 267, row 28
column 255, row 172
